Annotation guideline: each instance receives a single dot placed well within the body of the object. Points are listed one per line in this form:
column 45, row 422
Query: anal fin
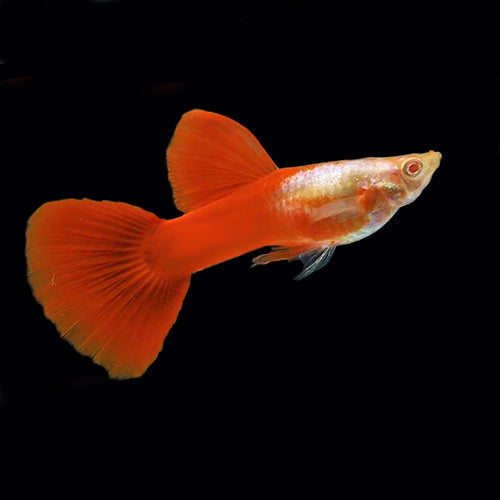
column 312, row 258
column 279, row 253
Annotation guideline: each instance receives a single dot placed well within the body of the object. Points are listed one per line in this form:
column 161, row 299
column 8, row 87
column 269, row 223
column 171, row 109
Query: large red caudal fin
column 87, row 268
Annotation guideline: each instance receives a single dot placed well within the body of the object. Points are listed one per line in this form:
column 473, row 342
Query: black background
column 385, row 345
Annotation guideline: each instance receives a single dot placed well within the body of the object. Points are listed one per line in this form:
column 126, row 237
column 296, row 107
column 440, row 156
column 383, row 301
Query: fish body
column 299, row 210
column 112, row 277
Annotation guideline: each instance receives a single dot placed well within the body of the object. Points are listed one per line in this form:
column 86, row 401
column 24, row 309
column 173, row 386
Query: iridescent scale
column 316, row 186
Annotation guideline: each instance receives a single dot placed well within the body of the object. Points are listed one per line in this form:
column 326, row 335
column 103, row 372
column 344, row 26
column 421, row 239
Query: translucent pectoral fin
column 340, row 207
column 312, row 258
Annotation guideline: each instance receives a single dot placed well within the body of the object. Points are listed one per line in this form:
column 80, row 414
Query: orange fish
column 112, row 277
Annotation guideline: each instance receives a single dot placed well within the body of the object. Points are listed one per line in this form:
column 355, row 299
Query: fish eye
column 412, row 167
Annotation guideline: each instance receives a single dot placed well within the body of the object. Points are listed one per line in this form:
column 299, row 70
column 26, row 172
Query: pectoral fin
column 340, row 207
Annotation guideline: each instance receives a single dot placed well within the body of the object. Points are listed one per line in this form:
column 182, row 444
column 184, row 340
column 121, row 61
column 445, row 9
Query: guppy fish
column 112, row 277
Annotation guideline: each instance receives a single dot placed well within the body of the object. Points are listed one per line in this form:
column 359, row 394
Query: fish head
column 416, row 171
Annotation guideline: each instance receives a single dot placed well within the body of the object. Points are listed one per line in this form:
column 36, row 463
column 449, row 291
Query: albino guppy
column 112, row 277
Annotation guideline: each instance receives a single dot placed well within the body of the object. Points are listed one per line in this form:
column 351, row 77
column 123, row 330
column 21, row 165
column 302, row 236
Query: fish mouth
column 433, row 158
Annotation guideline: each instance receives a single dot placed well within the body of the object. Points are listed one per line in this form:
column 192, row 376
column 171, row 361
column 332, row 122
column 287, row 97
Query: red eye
column 412, row 167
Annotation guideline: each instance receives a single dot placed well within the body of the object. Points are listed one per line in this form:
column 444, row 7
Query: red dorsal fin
column 210, row 156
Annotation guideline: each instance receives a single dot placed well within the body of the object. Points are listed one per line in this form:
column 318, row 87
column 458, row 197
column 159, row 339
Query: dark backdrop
column 384, row 340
